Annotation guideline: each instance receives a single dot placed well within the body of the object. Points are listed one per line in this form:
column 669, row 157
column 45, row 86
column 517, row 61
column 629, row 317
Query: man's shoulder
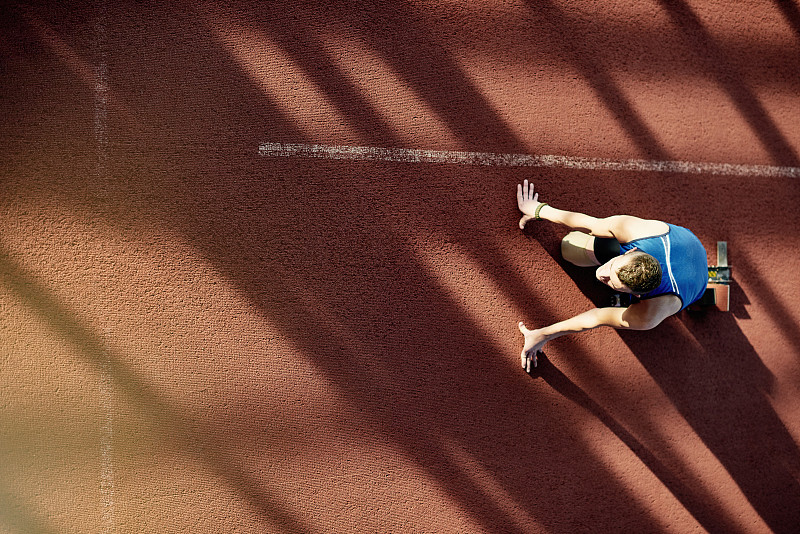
column 627, row 228
column 656, row 309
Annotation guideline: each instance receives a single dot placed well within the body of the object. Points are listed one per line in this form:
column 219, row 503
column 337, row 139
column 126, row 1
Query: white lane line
column 410, row 155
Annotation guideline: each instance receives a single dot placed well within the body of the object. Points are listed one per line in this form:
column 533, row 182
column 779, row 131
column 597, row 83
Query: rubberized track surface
column 198, row 337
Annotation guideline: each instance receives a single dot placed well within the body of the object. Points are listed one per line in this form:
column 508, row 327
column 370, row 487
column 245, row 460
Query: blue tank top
column 683, row 263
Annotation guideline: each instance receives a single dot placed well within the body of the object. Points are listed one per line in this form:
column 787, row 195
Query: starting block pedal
column 718, row 290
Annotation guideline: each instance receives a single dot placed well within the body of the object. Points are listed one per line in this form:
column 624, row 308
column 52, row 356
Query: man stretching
column 662, row 265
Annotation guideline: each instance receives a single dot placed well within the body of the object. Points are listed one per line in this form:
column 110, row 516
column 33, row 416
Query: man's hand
column 534, row 341
column 527, row 201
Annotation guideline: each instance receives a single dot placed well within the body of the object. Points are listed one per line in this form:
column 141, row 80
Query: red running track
column 199, row 338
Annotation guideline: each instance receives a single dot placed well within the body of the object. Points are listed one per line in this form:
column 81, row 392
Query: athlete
column 661, row 265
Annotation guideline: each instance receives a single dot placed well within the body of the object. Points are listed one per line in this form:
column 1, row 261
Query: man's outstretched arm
column 623, row 227
column 643, row 315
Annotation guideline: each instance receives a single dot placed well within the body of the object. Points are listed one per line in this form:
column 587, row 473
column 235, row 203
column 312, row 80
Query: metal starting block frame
column 718, row 290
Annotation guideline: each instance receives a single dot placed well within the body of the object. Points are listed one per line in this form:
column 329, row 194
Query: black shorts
column 606, row 248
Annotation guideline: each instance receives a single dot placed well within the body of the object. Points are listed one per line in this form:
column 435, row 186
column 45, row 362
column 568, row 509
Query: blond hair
column 641, row 274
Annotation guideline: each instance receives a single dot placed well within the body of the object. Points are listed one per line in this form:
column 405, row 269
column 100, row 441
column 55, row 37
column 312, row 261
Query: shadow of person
column 719, row 385
column 698, row 503
column 720, row 388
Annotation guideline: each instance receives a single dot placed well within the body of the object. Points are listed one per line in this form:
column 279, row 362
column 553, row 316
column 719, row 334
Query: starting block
column 718, row 290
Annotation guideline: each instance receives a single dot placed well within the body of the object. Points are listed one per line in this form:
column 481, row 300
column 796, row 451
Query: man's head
column 633, row 272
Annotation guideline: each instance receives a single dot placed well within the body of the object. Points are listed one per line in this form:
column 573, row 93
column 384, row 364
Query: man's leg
column 586, row 250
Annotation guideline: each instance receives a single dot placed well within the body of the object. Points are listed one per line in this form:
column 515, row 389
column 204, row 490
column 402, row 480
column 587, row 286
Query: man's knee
column 578, row 249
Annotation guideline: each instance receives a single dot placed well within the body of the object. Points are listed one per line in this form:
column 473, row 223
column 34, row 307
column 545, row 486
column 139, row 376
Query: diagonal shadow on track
column 723, row 395
column 791, row 13
column 700, row 506
column 557, row 24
